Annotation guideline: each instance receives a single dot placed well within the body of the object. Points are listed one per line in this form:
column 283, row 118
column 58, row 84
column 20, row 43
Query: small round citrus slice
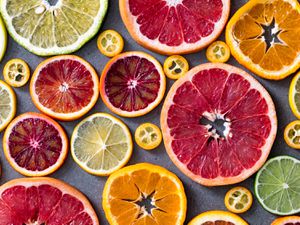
column 8, row 105
column 176, row 66
column 132, row 84
column 277, row 185
column 35, row 145
column 64, row 87
column 148, row 136
column 261, row 36
column 238, row 200
column 218, row 52
column 294, row 95
column 144, row 194
column 44, row 200
column 287, row 220
column 101, row 144
column 217, row 218
column 110, row 43
column 292, row 134
column 16, row 72
column 3, row 39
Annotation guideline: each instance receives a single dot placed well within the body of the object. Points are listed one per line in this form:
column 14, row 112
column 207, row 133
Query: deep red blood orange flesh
column 43, row 201
column 218, row 124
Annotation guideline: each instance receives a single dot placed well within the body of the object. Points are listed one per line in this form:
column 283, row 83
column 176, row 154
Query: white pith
column 174, row 2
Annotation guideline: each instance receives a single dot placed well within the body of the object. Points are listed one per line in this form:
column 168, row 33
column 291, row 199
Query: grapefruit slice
column 218, row 124
column 35, row 145
column 132, row 84
column 287, row 220
column 175, row 26
column 64, row 87
column 44, row 201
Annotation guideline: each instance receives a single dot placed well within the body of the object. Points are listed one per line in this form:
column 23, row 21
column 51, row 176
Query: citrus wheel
column 175, row 67
column 261, row 36
column 3, row 39
column 132, row 84
column 47, row 29
column 35, row 145
column 218, row 51
column 277, row 186
column 144, row 194
column 16, row 72
column 8, row 105
column 44, row 201
column 292, row 134
column 148, row 136
column 110, row 43
column 294, row 95
column 64, row 87
column 174, row 26
column 101, row 144
column 218, row 124
column 287, row 220
column 238, row 200
column 216, row 218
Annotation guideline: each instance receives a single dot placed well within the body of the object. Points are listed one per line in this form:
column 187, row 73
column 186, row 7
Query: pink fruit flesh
column 215, row 94
column 132, row 83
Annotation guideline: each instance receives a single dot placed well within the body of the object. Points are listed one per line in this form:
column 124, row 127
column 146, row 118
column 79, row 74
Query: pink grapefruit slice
column 44, row 201
column 218, row 124
column 174, row 26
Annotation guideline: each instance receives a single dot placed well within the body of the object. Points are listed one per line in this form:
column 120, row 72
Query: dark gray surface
column 200, row 198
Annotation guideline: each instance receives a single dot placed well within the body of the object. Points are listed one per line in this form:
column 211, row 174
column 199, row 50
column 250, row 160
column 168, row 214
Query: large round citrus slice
column 3, row 39
column 218, row 124
column 132, row 84
column 287, row 220
column 51, row 29
column 35, row 145
column 175, row 26
column 144, row 194
column 261, row 36
column 64, row 87
column 44, row 201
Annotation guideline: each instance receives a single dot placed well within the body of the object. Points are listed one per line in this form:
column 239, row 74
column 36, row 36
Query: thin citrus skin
column 6, row 71
column 243, row 191
column 3, row 39
column 153, row 104
column 61, row 116
column 51, row 169
column 62, row 186
column 292, row 92
column 286, row 137
column 286, row 220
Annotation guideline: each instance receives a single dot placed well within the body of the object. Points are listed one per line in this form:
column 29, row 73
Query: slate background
column 200, row 198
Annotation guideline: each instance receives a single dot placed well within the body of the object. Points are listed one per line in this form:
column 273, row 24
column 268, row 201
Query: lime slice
column 277, row 185
column 101, row 144
column 3, row 39
column 47, row 29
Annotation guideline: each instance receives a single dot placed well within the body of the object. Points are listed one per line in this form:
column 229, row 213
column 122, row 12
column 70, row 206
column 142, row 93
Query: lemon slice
column 101, row 144
column 3, row 39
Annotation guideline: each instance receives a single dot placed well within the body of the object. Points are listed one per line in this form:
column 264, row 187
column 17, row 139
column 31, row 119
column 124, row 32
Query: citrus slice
column 175, row 26
column 176, row 66
column 277, row 185
column 218, row 52
column 261, row 36
column 238, row 200
column 218, row 124
column 44, row 201
column 35, row 145
column 101, row 144
column 287, row 220
column 294, row 95
column 217, row 218
column 16, row 72
column 51, row 29
column 64, row 87
column 292, row 134
column 148, row 136
column 144, row 194
column 110, row 43
column 3, row 39
column 8, row 105
column 132, row 84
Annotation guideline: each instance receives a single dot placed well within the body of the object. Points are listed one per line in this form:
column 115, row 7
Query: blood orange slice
column 64, row 87
column 174, row 26
column 132, row 84
column 44, row 201
column 218, row 124
column 35, row 145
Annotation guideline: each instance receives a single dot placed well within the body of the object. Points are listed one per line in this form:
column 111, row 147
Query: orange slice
column 261, row 36
column 144, row 194
column 287, row 220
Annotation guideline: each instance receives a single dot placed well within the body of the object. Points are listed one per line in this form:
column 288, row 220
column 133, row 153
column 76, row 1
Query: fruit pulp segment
column 34, row 144
column 42, row 204
column 64, row 86
column 266, row 34
column 5, row 104
column 218, row 95
column 132, row 83
column 174, row 22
